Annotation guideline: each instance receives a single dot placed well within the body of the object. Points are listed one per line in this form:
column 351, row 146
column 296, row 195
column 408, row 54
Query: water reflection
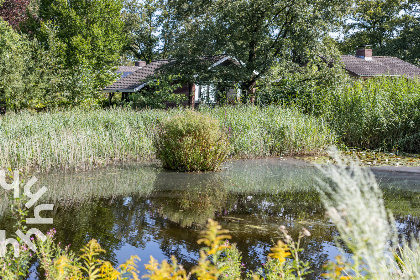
column 144, row 210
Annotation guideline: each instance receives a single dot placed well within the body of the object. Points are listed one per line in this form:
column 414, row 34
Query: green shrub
column 191, row 142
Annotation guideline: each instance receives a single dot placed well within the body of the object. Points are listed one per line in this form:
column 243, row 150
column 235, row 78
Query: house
column 196, row 93
column 364, row 65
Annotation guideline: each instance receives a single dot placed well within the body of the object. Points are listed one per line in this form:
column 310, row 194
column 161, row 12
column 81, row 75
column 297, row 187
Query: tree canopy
column 90, row 34
column 258, row 33
column 392, row 27
column 69, row 48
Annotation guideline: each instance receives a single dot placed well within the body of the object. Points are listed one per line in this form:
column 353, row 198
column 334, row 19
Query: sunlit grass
column 272, row 131
column 80, row 140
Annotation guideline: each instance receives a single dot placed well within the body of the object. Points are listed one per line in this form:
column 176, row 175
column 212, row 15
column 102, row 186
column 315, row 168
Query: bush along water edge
column 191, row 141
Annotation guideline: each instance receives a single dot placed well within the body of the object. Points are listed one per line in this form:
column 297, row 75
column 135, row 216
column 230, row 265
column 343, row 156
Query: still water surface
column 141, row 209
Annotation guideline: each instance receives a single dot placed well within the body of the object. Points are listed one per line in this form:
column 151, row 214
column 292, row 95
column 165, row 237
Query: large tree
column 392, row 27
column 258, row 33
column 407, row 44
column 152, row 26
column 90, row 36
column 30, row 76
column 141, row 26
column 12, row 62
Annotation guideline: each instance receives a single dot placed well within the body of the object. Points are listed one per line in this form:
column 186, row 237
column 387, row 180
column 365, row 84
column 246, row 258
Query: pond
column 141, row 209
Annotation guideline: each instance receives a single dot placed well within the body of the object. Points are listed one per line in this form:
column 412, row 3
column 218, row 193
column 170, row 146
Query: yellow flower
column 280, row 251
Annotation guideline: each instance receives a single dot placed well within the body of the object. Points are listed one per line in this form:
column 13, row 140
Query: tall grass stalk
column 74, row 139
column 355, row 205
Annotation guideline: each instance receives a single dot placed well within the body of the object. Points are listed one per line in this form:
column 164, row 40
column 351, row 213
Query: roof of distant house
column 379, row 66
column 122, row 69
column 127, row 70
column 138, row 79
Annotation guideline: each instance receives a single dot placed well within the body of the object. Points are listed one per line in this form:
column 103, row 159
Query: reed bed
column 272, row 131
column 380, row 113
column 82, row 139
column 73, row 139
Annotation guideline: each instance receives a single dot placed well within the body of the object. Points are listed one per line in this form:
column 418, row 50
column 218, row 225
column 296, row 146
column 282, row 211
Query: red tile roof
column 378, row 66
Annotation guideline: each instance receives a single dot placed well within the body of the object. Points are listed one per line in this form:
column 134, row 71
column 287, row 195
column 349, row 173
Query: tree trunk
column 191, row 95
column 124, row 96
column 248, row 91
column 2, row 108
column 110, row 95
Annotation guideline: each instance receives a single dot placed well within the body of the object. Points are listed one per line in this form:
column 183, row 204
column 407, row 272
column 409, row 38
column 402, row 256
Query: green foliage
column 258, row 33
column 283, row 262
column 88, row 265
column 305, row 87
column 230, row 262
column 379, row 113
column 88, row 40
column 12, row 267
column 373, row 23
column 158, row 93
column 141, row 26
column 390, row 26
column 13, row 58
column 192, row 142
column 34, row 77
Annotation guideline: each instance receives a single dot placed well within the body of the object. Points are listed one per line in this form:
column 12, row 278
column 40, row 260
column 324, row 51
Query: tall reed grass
column 272, row 131
column 380, row 113
column 72, row 139
column 80, row 139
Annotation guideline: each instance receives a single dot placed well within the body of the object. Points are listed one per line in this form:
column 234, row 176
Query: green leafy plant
column 17, row 267
column 158, row 93
column 192, row 142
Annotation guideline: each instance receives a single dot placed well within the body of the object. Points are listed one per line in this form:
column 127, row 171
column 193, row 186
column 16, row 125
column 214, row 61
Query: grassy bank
column 78, row 139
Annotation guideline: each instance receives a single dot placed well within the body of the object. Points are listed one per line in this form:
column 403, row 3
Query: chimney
column 364, row 52
column 140, row 63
